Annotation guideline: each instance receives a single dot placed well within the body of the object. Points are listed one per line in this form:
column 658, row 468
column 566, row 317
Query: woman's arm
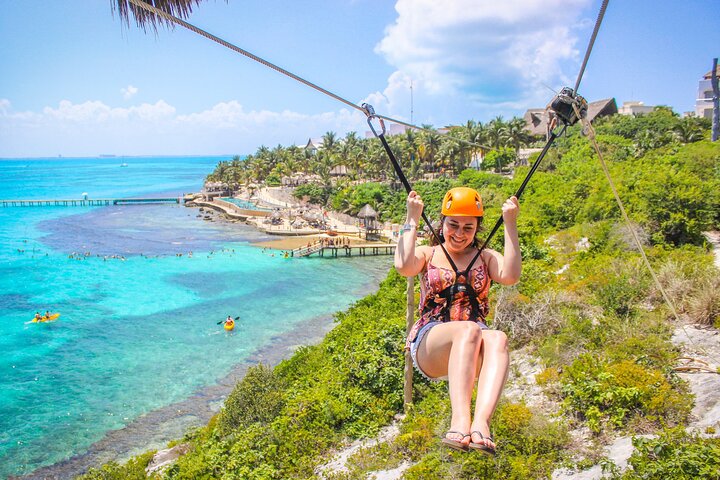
column 409, row 260
column 505, row 269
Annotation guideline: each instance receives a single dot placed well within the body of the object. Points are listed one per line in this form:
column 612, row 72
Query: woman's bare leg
column 493, row 374
column 453, row 349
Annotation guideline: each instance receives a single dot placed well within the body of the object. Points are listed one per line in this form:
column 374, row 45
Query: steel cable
column 173, row 19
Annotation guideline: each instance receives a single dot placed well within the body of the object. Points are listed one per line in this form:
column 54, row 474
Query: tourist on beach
column 450, row 341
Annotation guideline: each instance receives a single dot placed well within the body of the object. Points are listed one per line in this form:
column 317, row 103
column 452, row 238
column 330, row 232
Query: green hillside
column 586, row 308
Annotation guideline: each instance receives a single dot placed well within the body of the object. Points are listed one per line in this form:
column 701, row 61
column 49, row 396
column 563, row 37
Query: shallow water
column 138, row 328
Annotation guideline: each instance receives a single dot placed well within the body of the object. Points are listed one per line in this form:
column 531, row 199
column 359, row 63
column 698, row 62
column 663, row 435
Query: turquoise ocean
column 136, row 356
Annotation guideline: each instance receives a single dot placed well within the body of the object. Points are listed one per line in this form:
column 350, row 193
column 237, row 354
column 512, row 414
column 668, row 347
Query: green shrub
column 674, row 454
column 378, row 457
column 611, row 394
column 430, row 466
column 352, row 198
column 134, row 469
column 258, row 397
column 315, row 193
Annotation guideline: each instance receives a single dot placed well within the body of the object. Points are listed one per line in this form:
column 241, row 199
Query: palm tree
column 330, row 142
column 409, row 148
column 495, row 132
column 688, row 130
column 429, row 145
column 451, row 155
column 145, row 19
column 353, row 154
column 515, row 134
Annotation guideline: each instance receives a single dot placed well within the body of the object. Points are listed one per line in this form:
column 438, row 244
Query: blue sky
column 76, row 81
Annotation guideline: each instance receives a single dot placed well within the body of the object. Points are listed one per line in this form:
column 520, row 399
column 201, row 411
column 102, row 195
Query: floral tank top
column 436, row 279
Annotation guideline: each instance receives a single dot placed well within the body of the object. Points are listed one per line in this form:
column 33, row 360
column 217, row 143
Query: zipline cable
column 573, row 102
column 530, row 173
column 567, row 98
column 598, row 21
column 370, row 112
column 567, row 105
column 173, row 19
column 590, row 132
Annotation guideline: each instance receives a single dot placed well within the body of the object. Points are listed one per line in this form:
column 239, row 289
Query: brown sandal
column 481, row 446
column 454, row 444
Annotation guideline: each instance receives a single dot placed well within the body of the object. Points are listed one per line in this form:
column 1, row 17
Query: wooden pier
column 344, row 250
column 86, row 202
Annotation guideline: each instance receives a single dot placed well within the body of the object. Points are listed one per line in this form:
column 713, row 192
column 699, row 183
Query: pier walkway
column 344, row 250
column 86, row 202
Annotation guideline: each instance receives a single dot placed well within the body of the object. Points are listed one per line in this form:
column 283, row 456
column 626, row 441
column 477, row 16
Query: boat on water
column 123, row 164
column 45, row 319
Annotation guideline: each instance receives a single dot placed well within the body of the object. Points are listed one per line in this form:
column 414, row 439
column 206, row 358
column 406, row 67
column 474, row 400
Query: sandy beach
column 279, row 199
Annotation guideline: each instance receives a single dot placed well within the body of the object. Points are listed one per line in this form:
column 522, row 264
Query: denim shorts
column 414, row 346
column 416, row 343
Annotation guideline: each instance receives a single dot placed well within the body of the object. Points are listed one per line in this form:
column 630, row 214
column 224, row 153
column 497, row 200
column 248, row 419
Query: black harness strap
column 370, row 112
column 458, row 287
column 530, row 173
column 567, row 96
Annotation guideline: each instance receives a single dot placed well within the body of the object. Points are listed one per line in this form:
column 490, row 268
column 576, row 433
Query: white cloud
column 92, row 127
column 129, row 92
column 480, row 55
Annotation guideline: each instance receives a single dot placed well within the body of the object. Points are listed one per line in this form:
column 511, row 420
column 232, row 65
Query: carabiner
column 370, row 112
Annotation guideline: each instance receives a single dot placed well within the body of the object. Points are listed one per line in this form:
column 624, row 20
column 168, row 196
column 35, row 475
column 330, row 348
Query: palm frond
column 145, row 19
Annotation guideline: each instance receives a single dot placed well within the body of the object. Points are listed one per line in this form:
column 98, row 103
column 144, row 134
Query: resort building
column 635, row 108
column 537, row 119
column 314, row 144
column 390, row 130
column 704, row 102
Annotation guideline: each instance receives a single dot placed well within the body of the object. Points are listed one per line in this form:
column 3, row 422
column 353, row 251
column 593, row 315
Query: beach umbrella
column 312, row 216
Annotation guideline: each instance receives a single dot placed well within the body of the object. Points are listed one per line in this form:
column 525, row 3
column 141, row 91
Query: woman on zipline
column 450, row 339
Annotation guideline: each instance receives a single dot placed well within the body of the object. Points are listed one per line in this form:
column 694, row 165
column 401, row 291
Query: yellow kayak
column 229, row 325
column 44, row 319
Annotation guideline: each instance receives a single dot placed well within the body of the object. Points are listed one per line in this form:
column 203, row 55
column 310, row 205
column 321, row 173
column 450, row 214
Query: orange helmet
column 462, row 202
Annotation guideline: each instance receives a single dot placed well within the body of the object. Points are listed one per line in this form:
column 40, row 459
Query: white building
column 314, row 144
column 704, row 102
column 634, row 108
column 391, row 129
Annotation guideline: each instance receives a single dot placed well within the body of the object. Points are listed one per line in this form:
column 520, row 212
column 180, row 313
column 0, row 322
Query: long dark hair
column 438, row 226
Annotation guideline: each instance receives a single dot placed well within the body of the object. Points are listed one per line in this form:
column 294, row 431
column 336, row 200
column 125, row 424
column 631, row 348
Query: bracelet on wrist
column 408, row 227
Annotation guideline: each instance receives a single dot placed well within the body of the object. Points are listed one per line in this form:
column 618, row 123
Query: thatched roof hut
column 367, row 212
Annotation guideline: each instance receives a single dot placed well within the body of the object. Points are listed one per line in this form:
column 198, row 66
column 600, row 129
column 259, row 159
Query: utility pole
column 411, row 102
column 716, row 103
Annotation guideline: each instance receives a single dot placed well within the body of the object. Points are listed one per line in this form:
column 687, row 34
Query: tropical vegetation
column 421, row 153
column 587, row 309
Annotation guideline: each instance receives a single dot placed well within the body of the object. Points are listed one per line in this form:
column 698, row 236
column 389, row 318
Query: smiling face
column 459, row 232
